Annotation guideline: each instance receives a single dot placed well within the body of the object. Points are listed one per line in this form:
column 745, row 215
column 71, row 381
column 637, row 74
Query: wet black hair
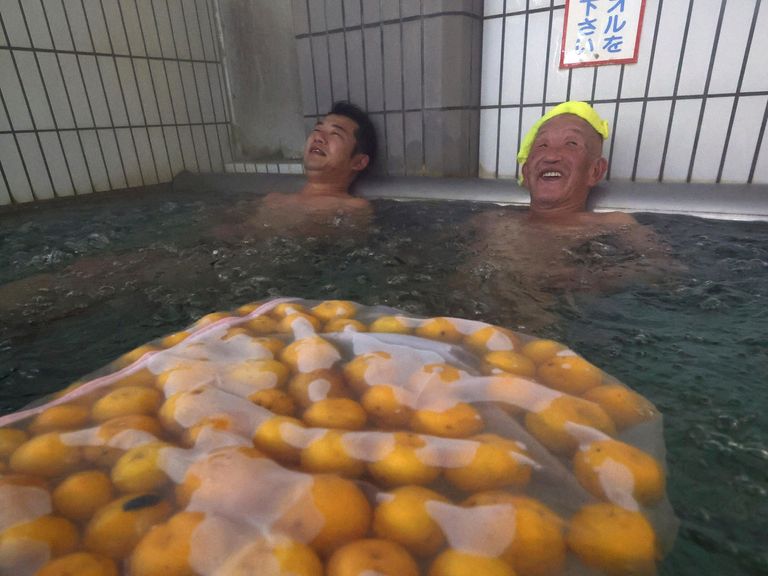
column 365, row 135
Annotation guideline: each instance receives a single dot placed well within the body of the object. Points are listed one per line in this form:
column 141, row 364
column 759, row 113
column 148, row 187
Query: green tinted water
column 82, row 282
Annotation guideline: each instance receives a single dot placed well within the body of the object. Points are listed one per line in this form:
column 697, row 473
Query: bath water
column 84, row 281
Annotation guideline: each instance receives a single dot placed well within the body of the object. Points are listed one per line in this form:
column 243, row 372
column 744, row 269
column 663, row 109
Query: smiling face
column 563, row 164
column 329, row 153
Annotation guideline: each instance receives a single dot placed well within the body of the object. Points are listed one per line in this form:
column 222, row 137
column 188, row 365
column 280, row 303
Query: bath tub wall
column 108, row 94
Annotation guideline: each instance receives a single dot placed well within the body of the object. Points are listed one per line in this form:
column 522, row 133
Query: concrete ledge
column 718, row 201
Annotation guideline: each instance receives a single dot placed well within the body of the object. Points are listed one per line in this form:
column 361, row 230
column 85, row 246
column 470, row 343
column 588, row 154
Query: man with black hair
column 340, row 148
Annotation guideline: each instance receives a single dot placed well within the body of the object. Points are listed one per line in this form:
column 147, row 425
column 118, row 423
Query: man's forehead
column 342, row 122
column 568, row 123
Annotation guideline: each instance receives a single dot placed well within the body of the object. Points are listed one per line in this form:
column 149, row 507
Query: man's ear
column 599, row 168
column 360, row 162
column 524, row 171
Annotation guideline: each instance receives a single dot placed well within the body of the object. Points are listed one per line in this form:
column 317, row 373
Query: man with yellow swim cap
column 561, row 160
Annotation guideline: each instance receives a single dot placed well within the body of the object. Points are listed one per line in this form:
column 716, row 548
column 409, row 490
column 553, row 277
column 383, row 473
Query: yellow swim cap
column 580, row 109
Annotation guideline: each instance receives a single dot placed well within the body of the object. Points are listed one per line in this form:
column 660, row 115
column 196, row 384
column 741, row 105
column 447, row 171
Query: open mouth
column 315, row 150
column 551, row 175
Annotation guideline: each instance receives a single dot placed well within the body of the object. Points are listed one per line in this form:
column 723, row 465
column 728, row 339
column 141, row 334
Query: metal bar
column 522, row 89
column 519, row 12
column 154, row 92
column 328, row 48
column 31, row 116
column 7, row 185
column 712, row 55
column 116, row 127
column 170, row 93
column 648, row 76
column 594, row 86
column 312, row 59
column 402, row 85
column 625, row 100
column 758, row 145
column 365, row 67
column 423, row 95
column 104, row 92
column 615, row 120
column 96, row 53
column 18, row 149
column 546, row 67
column 197, row 87
column 383, row 90
column 675, row 90
column 501, row 85
column 47, row 97
column 183, row 91
column 69, row 104
column 221, row 70
column 138, row 90
column 208, row 82
column 346, row 57
column 738, row 90
column 397, row 20
column 87, row 99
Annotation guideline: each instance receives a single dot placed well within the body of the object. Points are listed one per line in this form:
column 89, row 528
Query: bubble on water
column 711, row 303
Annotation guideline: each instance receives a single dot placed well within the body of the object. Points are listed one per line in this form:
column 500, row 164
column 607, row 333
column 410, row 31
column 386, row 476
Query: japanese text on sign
column 599, row 32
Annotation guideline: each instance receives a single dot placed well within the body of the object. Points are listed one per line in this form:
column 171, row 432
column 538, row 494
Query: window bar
column 546, row 67
column 675, row 90
column 344, row 35
column 183, row 90
column 154, row 93
column 47, row 99
column 402, row 85
column 712, row 55
column 648, row 77
column 615, row 120
column 18, row 149
column 136, row 84
column 7, row 185
column 758, row 145
column 31, row 116
column 208, row 82
column 365, row 66
column 104, row 92
column 501, row 85
column 221, row 73
column 197, row 86
column 383, row 89
column 312, row 59
column 738, row 91
column 69, row 104
column 168, row 87
column 594, row 85
column 423, row 95
column 522, row 86
column 328, row 49
column 88, row 100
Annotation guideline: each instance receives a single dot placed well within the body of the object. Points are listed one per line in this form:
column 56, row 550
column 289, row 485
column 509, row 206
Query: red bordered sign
column 599, row 32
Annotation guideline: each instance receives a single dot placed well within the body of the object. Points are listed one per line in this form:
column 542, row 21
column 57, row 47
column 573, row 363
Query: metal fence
column 693, row 109
column 107, row 94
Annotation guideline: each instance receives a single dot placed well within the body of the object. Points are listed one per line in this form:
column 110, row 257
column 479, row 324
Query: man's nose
column 318, row 136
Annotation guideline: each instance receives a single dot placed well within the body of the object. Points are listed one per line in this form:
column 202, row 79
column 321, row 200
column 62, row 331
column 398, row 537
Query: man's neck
column 314, row 188
column 564, row 211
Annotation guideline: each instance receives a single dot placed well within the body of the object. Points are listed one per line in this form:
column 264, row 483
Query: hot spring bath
column 84, row 281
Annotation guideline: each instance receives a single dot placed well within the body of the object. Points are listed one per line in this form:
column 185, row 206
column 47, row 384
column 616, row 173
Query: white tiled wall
column 696, row 112
column 106, row 94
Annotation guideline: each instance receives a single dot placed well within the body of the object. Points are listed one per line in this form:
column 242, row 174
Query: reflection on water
column 82, row 282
